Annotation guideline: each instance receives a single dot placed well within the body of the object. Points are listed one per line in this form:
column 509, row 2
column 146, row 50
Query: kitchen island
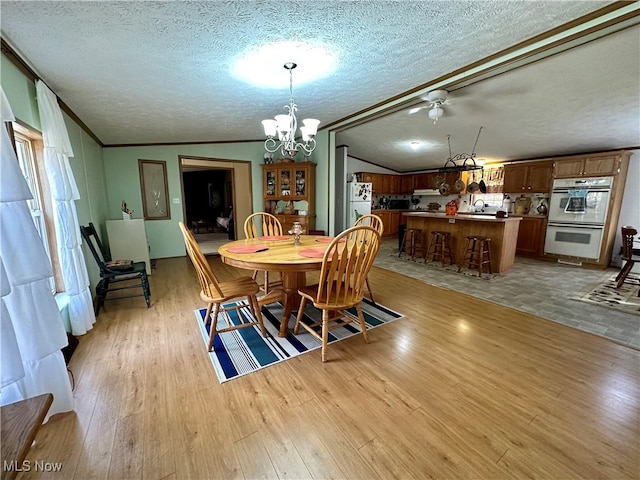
column 503, row 233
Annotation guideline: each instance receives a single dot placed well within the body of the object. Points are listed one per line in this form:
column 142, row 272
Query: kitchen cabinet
column 406, row 184
column 390, row 220
column 286, row 183
column 534, row 177
column 386, row 184
column 531, row 235
column 385, row 216
column 375, row 179
column 597, row 165
column 424, row 181
column 394, row 221
column 395, row 184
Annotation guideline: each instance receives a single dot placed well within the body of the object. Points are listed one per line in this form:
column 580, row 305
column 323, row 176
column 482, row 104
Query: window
column 29, row 150
column 491, row 200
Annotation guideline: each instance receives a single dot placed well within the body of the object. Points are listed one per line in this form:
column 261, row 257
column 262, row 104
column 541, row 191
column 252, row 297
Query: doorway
column 212, row 201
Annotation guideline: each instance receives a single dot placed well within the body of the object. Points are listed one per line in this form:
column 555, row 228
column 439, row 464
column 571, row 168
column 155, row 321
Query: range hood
column 426, row 191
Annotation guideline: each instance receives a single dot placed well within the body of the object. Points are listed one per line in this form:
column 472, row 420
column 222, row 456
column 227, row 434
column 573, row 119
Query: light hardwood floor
column 460, row 388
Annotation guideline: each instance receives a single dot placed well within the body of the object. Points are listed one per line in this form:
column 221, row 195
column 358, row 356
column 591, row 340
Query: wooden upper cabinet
column 366, row 177
column 588, row 166
column 601, row 166
column 569, row 168
column 532, row 177
column 540, row 177
column 515, row 178
column 423, row 180
column 375, row 179
column 406, row 184
column 395, row 184
column 385, row 181
column 386, row 184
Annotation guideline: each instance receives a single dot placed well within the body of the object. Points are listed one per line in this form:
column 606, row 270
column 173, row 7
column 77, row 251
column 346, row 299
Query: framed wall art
column 154, row 189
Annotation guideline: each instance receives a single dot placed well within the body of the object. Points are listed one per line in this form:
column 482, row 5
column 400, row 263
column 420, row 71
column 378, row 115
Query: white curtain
column 57, row 150
column 32, row 329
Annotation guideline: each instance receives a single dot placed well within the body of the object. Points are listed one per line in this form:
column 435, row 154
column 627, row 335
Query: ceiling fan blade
column 416, row 109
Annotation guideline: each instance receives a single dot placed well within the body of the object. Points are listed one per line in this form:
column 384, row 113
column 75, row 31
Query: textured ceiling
column 158, row 72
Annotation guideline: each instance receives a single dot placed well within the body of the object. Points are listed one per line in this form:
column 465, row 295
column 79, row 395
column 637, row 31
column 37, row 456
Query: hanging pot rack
column 468, row 161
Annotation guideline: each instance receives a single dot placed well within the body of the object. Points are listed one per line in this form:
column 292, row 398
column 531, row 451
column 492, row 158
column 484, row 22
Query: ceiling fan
column 435, row 100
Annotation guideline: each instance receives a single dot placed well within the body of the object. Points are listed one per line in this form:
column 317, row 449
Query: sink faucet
column 481, row 206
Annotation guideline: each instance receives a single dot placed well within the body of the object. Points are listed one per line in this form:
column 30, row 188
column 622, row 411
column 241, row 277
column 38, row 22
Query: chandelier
column 285, row 127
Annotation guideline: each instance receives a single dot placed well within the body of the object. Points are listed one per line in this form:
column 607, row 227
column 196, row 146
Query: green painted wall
column 21, row 93
column 87, row 163
column 106, row 176
column 123, row 182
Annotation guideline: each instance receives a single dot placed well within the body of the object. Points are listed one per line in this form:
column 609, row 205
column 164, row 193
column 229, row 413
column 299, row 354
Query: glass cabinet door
column 270, row 183
column 285, row 182
column 300, row 182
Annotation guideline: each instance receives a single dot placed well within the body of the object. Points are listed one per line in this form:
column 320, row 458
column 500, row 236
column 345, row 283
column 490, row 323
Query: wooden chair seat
column 215, row 293
column 345, row 266
column 115, row 275
column 342, row 301
column 231, row 289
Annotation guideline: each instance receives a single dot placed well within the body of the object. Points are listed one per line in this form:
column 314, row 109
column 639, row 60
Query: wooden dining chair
column 628, row 233
column 343, row 274
column 257, row 225
column 115, row 274
column 215, row 293
column 375, row 222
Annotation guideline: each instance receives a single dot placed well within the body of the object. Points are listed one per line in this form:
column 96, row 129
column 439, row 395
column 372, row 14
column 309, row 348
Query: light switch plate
column 176, row 200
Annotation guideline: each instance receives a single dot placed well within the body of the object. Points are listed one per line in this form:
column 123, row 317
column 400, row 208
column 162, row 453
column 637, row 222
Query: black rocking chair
column 114, row 271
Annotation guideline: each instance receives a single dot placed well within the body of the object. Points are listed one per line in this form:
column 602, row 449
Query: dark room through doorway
column 208, row 206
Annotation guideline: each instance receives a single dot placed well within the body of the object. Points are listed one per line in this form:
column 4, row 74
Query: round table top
column 281, row 255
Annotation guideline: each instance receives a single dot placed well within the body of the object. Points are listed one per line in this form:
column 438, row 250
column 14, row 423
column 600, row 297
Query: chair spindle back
column 346, row 264
column 206, row 277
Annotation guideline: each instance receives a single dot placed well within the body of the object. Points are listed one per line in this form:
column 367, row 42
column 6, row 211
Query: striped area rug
column 244, row 351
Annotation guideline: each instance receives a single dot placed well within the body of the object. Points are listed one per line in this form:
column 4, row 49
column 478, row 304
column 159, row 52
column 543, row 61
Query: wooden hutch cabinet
column 283, row 184
column 535, row 177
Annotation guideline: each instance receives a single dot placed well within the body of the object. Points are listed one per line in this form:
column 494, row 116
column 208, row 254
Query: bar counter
column 503, row 233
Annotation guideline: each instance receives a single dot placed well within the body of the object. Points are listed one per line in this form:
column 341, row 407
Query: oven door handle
column 591, row 226
column 589, row 190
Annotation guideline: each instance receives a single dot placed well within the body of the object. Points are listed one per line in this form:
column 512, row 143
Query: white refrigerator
column 359, row 201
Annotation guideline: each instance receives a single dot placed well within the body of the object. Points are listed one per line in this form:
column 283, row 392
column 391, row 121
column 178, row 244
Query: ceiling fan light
column 435, row 113
column 415, row 145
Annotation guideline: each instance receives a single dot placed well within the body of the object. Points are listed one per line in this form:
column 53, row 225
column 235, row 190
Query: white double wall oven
column 578, row 211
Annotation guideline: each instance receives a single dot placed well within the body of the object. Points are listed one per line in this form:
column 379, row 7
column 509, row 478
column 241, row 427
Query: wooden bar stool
column 477, row 254
column 439, row 248
column 411, row 242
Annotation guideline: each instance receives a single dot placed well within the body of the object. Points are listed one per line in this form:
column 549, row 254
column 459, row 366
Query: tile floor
column 541, row 288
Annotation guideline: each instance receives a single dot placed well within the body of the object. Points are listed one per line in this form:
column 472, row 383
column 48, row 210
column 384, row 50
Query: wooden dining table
column 279, row 255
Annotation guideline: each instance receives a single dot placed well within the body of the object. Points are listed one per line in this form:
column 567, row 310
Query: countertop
column 470, row 217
